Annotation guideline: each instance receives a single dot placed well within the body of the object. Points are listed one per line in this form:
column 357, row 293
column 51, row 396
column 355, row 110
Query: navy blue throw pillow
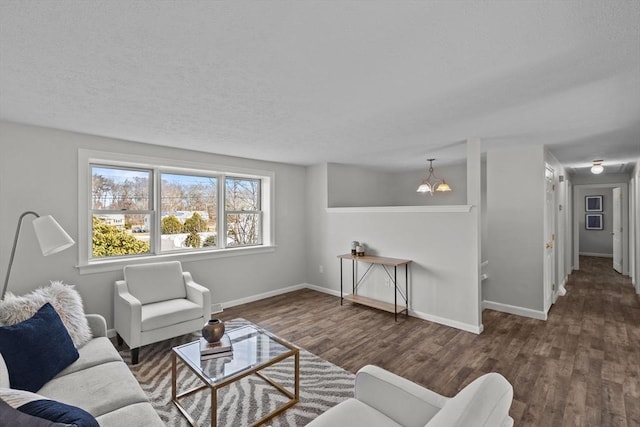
column 59, row 412
column 11, row 417
column 37, row 349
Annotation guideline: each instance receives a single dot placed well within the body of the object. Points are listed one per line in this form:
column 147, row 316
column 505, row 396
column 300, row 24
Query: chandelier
column 432, row 183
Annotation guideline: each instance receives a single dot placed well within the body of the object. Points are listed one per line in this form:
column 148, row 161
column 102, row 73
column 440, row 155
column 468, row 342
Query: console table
column 385, row 263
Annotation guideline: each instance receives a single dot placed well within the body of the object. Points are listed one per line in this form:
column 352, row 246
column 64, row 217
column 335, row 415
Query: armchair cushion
column 354, row 413
column 159, row 281
column 166, row 313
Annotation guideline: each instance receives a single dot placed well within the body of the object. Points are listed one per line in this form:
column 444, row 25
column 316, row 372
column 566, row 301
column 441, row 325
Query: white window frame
column 88, row 265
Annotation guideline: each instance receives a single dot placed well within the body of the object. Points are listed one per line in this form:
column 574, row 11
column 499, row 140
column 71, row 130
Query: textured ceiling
column 377, row 83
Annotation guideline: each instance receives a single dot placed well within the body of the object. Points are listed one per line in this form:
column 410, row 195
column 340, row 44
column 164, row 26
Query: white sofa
column 101, row 383
column 158, row 301
column 384, row 399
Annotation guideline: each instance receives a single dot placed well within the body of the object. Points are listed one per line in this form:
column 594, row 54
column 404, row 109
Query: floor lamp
column 51, row 237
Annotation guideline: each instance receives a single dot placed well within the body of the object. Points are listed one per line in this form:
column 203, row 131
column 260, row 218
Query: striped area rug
column 322, row 385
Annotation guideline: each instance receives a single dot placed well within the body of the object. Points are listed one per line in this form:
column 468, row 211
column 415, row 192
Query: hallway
column 599, row 322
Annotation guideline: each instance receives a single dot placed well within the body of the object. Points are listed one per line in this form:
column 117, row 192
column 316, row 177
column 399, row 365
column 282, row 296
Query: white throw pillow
column 64, row 299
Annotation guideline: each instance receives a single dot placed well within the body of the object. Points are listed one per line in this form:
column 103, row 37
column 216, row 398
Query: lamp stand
column 13, row 250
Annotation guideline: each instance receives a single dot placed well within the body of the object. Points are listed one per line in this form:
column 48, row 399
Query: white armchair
column 158, row 301
column 385, row 399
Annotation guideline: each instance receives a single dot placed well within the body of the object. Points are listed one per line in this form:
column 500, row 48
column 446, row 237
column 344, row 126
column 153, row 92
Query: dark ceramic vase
column 213, row 330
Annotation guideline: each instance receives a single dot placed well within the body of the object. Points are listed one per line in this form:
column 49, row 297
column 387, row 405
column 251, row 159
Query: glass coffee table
column 253, row 350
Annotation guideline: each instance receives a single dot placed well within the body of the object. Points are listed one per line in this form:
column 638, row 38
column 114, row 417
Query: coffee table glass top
column 251, row 347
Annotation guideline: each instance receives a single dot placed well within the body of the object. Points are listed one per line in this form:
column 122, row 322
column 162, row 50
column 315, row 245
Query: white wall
column 38, row 171
column 515, row 214
column 350, row 186
column 442, row 242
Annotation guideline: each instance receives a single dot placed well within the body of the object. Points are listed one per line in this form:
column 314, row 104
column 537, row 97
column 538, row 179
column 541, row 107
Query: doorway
column 606, row 215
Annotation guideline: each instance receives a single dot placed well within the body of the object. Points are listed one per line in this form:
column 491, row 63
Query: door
column 617, row 230
column 549, row 238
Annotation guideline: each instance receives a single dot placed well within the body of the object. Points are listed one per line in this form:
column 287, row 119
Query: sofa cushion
column 138, row 414
column 99, row 389
column 166, row 313
column 64, row 299
column 37, row 349
column 353, row 413
column 158, row 281
column 95, row 352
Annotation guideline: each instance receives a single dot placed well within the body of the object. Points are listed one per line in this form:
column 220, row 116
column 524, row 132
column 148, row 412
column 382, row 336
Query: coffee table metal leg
column 297, row 377
column 174, row 377
column 214, row 407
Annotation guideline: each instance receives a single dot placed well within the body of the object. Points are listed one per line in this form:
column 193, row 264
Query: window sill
column 118, row 264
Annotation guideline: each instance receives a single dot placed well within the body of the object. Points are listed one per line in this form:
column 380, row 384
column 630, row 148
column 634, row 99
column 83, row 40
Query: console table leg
column 395, row 292
column 340, row 281
column 406, row 289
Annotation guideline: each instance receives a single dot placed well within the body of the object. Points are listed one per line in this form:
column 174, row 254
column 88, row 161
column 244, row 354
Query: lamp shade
column 443, row 186
column 51, row 236
column 424, row 188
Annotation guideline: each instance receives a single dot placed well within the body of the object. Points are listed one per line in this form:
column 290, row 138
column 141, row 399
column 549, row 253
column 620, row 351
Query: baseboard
column 333, row 292
column 448, row 322
column 263, row 295
column 512, row 309
column 431, row 318
column 596, row 254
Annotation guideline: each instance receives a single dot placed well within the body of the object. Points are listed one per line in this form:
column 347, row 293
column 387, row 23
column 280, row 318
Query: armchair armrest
column 404, row 401
column 97, row 324
column 127, row 314
column 198, row 294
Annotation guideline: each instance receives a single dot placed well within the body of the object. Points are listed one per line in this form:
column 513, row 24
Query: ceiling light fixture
column 432, row 183
column 597, row 167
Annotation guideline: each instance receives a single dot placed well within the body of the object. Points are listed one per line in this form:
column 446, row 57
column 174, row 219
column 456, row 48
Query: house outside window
column 141, row 210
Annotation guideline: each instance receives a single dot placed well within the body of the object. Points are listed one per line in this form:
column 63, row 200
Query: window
column 120, row 204
column 139, row 209
column 242, row 211
column 189, row 211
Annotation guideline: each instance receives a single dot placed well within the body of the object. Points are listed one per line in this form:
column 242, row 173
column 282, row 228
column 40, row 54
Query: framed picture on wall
column 593, row 203
column 593, row 222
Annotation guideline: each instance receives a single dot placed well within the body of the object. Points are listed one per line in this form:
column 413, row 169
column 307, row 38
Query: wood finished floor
column 581, row 367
